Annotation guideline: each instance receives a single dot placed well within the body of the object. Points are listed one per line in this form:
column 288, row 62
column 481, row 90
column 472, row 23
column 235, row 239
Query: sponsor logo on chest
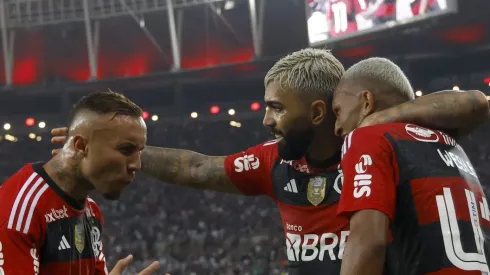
column 56, row 214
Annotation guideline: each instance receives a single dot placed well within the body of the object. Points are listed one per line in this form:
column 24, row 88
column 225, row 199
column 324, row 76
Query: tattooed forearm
column 456, row 112
column 187, row 168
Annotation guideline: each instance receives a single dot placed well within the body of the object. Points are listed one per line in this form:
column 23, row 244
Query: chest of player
column 297, row 187
column 72, row 239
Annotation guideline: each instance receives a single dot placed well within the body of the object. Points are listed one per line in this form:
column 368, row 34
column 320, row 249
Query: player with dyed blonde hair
column 297, row 170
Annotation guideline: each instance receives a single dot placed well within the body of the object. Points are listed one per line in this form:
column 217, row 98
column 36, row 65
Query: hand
column 123, row 263
column 59, row 137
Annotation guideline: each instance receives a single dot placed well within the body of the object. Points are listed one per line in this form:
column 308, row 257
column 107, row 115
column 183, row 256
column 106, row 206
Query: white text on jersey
column 455, row 161
column 308, row 247
column 56, row 214
column 246, row 163
column 362, row 180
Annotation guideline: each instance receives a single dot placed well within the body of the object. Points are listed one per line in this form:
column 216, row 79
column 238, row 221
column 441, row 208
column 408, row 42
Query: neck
column 325, row 145
column 63, row 175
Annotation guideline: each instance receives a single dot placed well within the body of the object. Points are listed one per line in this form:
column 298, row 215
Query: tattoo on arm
column 455, row 112
column 187, row 168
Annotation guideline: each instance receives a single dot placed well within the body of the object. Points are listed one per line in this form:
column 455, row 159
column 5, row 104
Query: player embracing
column 406, row 184
column 299, row 169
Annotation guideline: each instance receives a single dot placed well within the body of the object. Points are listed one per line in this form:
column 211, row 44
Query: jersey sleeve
column 370, row 173
column 100, row 261
column 19, row 251
column 250, row 170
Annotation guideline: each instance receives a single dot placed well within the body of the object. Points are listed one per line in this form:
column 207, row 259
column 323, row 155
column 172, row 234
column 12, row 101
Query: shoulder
column 371, row 138
column 254, row 157
column 93, row 208
column 22, row 197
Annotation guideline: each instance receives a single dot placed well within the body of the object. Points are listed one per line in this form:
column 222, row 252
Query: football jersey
column 341, row 15
column 307, row 201
column 424, row 182
column 43, row 231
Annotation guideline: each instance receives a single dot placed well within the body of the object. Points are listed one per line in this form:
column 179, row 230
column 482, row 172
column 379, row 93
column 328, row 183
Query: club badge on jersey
column 80, row 237
column 316, row 190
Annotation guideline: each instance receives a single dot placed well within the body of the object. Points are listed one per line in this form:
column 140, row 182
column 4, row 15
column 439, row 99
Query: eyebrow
column 272, row 102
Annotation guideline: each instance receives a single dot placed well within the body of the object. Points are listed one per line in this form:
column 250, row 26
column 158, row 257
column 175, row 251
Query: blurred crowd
column 192, row 231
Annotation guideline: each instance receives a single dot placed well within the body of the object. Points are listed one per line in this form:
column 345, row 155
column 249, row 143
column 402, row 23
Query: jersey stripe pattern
column 44, row 231
column 424, row 182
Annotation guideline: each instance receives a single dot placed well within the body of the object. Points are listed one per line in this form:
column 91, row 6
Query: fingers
column 122, row 264
column 58, row 139
column 61, row 131
column 54, row 152
column 152, row 268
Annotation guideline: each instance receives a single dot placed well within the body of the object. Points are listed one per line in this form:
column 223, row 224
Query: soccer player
column 48, row 224
column 407, row 183
column 298, row 170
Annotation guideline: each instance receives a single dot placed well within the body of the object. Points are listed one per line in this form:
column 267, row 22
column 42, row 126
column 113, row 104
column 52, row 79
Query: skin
column 102, row 152
column 451, row 111
column 352, row 105
column 200, row 171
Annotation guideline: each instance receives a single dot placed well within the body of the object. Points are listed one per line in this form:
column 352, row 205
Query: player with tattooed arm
column 299, row 169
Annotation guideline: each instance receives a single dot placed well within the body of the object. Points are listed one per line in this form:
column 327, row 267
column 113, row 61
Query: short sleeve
column 20, row 251
column 370, row 173
column 250, row 170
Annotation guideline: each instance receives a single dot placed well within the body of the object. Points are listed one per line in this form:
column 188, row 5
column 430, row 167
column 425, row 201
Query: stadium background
column 197, row 71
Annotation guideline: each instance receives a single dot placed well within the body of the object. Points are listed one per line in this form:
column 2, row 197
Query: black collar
column 326, row 163
column 38, row 168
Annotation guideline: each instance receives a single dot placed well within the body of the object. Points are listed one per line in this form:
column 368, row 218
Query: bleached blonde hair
column 313, row 71
column 384, row 75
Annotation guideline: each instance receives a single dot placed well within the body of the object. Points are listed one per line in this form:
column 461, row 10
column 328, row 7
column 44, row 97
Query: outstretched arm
column 187, row 168
column 176, row 166
column 457, row 113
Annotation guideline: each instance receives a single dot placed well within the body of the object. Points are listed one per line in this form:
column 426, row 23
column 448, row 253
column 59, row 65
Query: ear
column 78, row 144
column 367, row 103
column 318, row 111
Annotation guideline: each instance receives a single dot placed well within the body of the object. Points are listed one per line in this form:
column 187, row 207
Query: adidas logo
column 291, row 186
column 64, row 244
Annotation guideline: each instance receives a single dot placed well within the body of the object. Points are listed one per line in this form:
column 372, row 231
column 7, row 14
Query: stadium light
column 231, row 112
column 7, row 126
column 418, row 93
column 30, row 121
column 42, row 124
column 255, row 106
column 10, row 138
column 145, row 115
column 229, row 4
column 154, row 117
column 39, row 138
column 455, row 88
column 235, row 124
column 194, row 114
column 32, row 135
column 214, row 109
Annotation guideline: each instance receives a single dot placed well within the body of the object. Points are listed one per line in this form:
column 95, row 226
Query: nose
column 338, row 129
column 269, row 122
column 134, row 163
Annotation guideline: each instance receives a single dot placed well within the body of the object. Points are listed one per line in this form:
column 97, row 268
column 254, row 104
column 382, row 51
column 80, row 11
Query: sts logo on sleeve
column 362, row 180
column 246, row 163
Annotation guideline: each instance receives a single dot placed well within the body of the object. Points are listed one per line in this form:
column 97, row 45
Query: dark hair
column 106, row 103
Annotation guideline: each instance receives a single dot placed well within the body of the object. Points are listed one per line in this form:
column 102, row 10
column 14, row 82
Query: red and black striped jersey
column 424, row 182
column 307, row 199
column 43, row 231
